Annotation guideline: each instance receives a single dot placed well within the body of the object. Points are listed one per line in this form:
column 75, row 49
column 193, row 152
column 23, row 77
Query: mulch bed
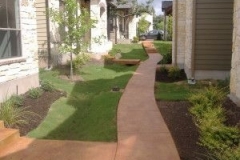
column 40, row 106
column 181, row 125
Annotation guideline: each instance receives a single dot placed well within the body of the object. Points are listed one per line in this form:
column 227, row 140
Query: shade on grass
column 90, row 108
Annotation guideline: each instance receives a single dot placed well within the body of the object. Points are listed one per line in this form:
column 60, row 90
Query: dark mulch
column 40, row 106
column 162, row 76
column 181, row 125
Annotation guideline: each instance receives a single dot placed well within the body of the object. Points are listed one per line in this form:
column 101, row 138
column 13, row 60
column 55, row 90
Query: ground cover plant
column 172, row 99
column 88, row 112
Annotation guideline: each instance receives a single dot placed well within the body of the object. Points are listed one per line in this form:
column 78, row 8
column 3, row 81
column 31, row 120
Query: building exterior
column 18, row 47
column 202, row 39
column 206, row 40
column 122, row 27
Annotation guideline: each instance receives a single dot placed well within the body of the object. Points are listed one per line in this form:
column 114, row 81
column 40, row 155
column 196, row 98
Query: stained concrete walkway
column 142, row 133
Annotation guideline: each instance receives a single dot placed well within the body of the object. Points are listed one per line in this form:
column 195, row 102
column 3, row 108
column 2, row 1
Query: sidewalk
column 142, row 132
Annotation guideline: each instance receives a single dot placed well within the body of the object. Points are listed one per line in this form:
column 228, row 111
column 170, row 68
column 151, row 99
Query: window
column 10, row 33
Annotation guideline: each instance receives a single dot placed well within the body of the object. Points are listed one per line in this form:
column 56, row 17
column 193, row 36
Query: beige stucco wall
column 99, row 33
column 235, row 71
column 179, row 32
column 14, row 70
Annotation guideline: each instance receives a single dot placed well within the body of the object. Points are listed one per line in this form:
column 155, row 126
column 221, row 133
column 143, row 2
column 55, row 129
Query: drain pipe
column 175, row 33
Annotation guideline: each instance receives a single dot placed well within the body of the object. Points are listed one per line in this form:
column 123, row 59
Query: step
column 1, row 125
column 127, row 61
column 8, row 136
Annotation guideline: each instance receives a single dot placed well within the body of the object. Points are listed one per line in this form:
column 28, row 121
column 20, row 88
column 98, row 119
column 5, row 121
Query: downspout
column 193, row 39
column 175, row 33
column 48, row 35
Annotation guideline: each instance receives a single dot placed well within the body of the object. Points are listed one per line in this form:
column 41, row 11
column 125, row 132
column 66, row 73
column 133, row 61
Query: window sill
column 12, row 60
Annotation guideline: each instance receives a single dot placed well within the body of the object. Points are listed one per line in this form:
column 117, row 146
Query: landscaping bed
column 39, row 106
column 181, row 125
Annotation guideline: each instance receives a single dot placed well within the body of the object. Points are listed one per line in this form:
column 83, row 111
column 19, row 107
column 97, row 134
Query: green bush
column 163, row 69
column 14, row 116
column 80, row 60
column 174, row 72
column 17, row 100
column 47, row 86
column 35, row 93
column 135, row 40
column 221, row 140
column 167, row 58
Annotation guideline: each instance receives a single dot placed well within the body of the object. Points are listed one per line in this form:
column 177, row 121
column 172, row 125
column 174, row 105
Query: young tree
column 143, row 25
column 76, row 22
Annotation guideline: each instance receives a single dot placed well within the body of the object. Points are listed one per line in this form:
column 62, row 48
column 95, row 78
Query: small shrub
column 135, row 40
column 80, row 60
column 47, row 86
column 35, row 93
column 163, row 69
column 17, row 100
column 174, row 72
column 14, row 116
column 114, row 51
column 221, row 140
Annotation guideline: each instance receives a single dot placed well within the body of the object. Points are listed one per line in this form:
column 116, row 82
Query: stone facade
column 179, row 32
column 235, row 71
column 18, row 75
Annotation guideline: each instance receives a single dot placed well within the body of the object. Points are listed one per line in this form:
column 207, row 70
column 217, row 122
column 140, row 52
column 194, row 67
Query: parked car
column 153, row 34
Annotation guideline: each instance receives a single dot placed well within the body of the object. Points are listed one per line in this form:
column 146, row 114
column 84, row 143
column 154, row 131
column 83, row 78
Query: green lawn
column 173, row 91
column 163, row 46
column 165, row 49
column 133, row 51
column 179, row 91
column 90, row 108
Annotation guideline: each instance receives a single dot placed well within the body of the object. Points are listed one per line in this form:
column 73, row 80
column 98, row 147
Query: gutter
column 193, row 39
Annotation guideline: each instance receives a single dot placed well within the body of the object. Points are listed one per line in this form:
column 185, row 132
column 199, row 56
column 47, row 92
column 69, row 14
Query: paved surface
column 31, row 149
column 142, row 132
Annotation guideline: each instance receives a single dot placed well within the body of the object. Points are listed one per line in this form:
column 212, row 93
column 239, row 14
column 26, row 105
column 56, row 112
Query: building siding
column 213, row 32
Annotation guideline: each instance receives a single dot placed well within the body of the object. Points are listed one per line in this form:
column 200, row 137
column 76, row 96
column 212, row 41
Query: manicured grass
column 131, row 51
column 179, row 91
column 163, row 47
column 172, row 91
column 89, row 111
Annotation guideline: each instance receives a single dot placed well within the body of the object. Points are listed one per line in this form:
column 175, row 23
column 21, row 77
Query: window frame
column 18, row 28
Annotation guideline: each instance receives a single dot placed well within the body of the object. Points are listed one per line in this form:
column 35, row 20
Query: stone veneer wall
column 18, row 75
column 100, row 30
column 179, row 33
column 235, row 71
column 189, row 38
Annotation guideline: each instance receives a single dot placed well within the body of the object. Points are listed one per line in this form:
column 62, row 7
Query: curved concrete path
column 142, row 132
